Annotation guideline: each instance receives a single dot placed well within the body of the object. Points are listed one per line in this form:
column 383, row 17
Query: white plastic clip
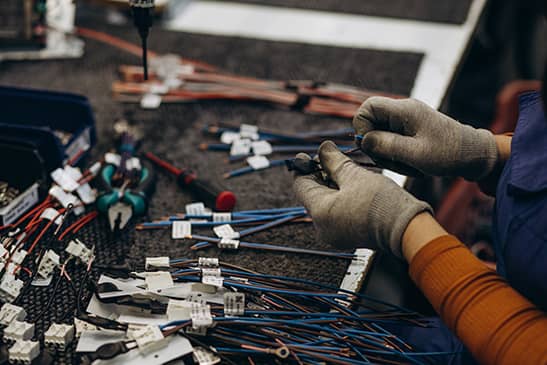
column 19, row 331
column 234, row 304
column 49, row 262
column 149, row 338
column 10, row 313
column 78, row 249
column 208, row 262
column 180, row 229
column 201, row 315
column 59, row 335
column 258, row 162
column 154, row 263
column 228, row 244
column 225, row 231
column 24, row 352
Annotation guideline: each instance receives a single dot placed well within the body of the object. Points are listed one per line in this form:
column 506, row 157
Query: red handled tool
column 217, row 199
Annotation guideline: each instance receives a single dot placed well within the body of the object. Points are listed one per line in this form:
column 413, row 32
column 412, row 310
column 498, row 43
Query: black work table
column 173, row 132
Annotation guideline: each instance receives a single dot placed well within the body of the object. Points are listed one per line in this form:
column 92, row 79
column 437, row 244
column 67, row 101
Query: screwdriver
column 142, row 18
column 219, row 200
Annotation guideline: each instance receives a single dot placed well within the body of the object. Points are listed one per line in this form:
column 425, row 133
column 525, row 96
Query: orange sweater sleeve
column 496, row 323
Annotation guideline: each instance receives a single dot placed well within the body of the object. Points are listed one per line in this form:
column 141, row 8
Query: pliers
column 122, row 203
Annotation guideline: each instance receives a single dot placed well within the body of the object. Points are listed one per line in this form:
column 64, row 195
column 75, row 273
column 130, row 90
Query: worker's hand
column 408, row 136
column 365, row 209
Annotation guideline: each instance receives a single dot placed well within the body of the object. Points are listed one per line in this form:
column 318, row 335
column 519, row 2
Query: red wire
column 76, row 226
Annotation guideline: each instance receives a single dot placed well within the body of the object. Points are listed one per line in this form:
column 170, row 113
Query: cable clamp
column 228, row 244
column 149, row 339
column 205, row 357
column 200, row 314
column 180, row 229
column 258, row 162
column 48, row 263
column 225, row 231
column 156, row 263
column 234, row 304
column 208, row 262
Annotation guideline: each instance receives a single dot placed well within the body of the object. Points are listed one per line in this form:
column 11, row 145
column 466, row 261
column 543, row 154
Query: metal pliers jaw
column 133, row 201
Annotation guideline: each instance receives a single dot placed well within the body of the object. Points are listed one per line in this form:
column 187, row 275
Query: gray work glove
column 366, row 208
column 408, row 136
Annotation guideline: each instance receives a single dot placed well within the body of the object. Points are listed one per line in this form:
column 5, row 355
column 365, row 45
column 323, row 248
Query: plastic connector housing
column 78, row 249
column 59, row 335
column 10, row 313
column 24, row 352
column 18, row 257
column 49, row 262
column 157, row 263
column 149, row 338
column 18, row 330
column 10, row 287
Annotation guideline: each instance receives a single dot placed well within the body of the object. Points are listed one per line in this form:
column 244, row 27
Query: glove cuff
column 400, row 212
column 480, row 152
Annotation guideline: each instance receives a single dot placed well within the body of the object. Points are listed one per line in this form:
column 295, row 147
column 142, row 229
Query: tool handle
column 211, row 196
column 144, row 190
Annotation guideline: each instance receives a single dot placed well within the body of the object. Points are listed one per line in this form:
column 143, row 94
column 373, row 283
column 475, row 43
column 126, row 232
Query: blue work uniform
column 520, row 221
column 519, row 225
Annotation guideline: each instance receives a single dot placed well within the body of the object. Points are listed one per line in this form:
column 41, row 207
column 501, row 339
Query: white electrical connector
column 154, row 263
column 24, row 352
column 10, row 313
column 149, row 338
column 18, row 257
column 156, row 280
column 17, row 330
column 78, row 249
column 10, row 287
column 82, row 326
column 49, row 262
column 59, row 335
column 178, row 310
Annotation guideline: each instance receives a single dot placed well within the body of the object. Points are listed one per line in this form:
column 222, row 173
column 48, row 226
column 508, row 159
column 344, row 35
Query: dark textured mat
column 454, row 12
column 172, row 132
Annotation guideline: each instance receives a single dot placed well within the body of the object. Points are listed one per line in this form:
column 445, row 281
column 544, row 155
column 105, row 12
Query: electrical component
column 17, row 330
column 59, row 336
column 10, row 287
column 24, row 352
column 18, row 257
column 78, row 249
column 10, row 313
column 155, row 263
column 149, row 339
column 178, row 309
column 49, row 262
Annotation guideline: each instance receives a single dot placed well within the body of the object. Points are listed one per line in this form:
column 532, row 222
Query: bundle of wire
column 295, row 321
column 190, row 80
column 276, row 143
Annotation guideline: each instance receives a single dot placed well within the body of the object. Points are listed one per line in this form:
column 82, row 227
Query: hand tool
column 219, row 200
column 125, row 201
column 142, row 18
column 125, row 184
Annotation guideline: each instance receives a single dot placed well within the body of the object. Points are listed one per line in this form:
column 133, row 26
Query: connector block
column 78, row 249
column 59, row 336
column 10, row 287
column 24, row 352
column 49, row 262
column 18, row 330
column 10, row 313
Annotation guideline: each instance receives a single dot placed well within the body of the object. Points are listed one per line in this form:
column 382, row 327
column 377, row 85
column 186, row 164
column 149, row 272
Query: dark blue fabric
column 520, row 229
column 434, row 338
column 520, row 221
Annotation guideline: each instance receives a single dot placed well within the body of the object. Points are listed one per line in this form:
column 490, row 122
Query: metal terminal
column 118, row 215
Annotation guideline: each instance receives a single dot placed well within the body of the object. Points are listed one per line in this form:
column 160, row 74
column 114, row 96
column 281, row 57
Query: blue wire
column 249, row 169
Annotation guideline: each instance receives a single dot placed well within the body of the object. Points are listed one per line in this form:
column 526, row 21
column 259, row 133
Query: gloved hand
column 367, row 208
column 408, row 136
